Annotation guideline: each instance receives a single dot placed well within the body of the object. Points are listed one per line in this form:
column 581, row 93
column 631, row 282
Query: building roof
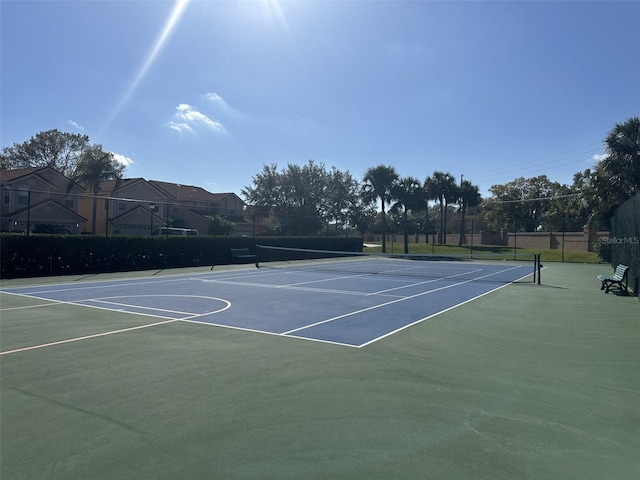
column 8, row 175
column 109, row 186
column 173, row 191
column 189, row 192
column 50, row 203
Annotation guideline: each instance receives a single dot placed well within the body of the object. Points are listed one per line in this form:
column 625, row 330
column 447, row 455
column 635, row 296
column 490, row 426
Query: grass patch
column 547, row 255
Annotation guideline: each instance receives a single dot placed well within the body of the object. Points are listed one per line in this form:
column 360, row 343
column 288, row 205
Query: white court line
column 373, row 307
column 10, row 309
column 86, row 337
column 297, row 285
column 438, row 313
column 127, row 305
column 193, row 317
column 438, row 279
column 34, row 290
column 435, row 314
column 293, row 287
column 394, row 301
column 264, row 332
column 189, row 317
column 106, row 300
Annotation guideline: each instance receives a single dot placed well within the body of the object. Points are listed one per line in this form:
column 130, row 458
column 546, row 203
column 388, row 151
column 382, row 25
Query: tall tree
column 469, row 197
column 266, row 192
column 521, row 203
column 52, row 148
column 363, row 218
column 341, row 197
column 621, row 166
column 95, row 166
column 378, row 184
column 616, row 177
column 442, row 187
column 409, row 196
column 303, row 198
column 303, row 189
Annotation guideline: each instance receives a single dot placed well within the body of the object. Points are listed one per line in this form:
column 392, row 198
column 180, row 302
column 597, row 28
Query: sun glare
column 270, row 14
column 169, row 26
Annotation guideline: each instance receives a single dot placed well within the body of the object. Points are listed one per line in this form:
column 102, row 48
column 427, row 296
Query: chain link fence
column 624, row 240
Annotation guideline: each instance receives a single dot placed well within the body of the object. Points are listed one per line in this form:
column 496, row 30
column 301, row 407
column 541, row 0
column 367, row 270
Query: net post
column 537, row 268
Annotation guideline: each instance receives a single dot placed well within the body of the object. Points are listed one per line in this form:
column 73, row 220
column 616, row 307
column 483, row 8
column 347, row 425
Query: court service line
column 290, row 287
column 411, row 285
column 87, row 337
column 391, row 302
column 374, row 307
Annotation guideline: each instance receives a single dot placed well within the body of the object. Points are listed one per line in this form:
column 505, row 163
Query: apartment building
column 40, row 200
column 43, row 200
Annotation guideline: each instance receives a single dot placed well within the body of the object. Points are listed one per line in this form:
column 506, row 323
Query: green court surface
column 528, row 382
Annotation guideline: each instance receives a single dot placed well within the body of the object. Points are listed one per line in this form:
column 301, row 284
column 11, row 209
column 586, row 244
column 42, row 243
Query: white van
column 175, row 231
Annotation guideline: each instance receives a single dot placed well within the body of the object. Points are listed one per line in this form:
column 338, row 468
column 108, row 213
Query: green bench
column 617, row 280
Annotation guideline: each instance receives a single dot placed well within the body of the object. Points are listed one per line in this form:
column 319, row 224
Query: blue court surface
column 376, row 299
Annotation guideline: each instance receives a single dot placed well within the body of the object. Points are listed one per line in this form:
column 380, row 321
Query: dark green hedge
column 41, row 255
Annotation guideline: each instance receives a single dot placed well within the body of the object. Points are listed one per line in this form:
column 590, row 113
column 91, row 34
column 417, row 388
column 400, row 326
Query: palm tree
column 616, row 177
column 94, row 167
column 378, row 184
column 410, row 196
column 622, row 163
column 469, row 197
column 441, row 186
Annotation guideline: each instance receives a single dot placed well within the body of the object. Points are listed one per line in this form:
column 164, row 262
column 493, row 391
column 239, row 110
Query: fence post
column 564, row 228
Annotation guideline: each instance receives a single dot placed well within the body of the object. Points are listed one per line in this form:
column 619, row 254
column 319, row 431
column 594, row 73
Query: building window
column 23, row 197
column 122, row 206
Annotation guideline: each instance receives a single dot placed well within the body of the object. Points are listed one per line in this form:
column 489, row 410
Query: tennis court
column 352, row 301
column 448, row 370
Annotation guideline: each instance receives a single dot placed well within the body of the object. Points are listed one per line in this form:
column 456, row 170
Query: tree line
column 311, row 199
column 305, row 199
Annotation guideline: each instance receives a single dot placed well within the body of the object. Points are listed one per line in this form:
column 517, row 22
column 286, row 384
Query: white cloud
column 179, row 126
column 188, row 118
column 222, row 107
column 123, row 160
column 599, row 157
column 214, row 97
column 76, row 125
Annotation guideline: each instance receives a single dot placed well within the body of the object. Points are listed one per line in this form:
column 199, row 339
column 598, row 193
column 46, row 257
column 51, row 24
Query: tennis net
column 512, row 268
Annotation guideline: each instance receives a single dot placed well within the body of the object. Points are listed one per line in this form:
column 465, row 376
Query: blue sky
column 207, row 92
